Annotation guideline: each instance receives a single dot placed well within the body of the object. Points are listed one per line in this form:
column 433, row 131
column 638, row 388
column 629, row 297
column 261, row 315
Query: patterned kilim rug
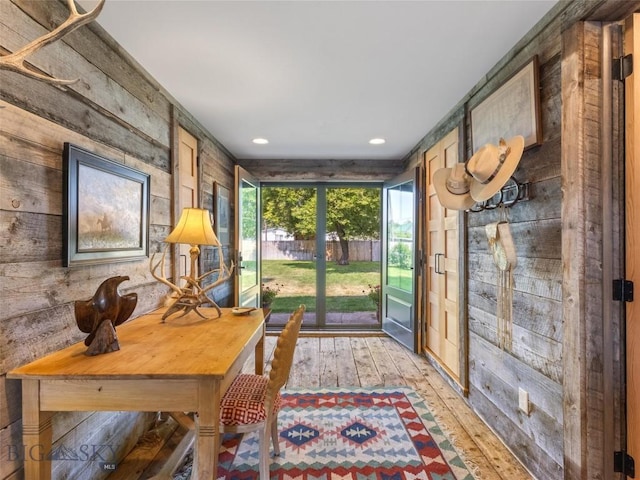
column 348, row 434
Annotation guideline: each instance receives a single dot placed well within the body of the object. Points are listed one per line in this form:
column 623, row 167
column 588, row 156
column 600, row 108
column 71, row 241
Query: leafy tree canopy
column 351, row 212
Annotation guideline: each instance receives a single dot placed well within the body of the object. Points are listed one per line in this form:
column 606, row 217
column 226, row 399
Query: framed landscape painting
column 106, row 210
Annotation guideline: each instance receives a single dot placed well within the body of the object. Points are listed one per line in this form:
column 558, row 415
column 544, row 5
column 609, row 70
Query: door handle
column 437, row 263
column 239, row 265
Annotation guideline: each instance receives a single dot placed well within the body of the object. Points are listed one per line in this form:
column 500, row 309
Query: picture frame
column 513, row 109
column 105, row 210
column 222, row 213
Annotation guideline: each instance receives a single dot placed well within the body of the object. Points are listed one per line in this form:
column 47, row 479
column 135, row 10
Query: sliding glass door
column 321, row 247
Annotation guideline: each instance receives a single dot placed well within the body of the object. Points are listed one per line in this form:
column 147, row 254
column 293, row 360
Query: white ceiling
column 318, row 79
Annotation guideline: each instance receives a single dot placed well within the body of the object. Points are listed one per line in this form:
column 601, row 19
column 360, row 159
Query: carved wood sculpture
column 16, row 61
column 189, row 297
column 99, row 315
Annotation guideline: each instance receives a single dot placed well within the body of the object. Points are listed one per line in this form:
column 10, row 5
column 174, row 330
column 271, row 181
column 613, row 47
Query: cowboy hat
column 452, row 187
column 492, row 166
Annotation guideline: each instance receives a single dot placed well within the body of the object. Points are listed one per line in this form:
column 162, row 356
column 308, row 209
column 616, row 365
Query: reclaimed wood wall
column 334, row 170
column 116, row 110
column 558, row 348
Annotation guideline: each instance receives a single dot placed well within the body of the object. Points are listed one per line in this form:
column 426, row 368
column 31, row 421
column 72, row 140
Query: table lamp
column 194, row 228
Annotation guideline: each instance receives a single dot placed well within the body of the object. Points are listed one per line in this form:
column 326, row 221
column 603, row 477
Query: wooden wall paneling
column 573, row 250
column 56, row 286
column 498, row 368
column 21, row 185
column 541, row 277
column 10, row 401
column 26, row 238
column 21, row 336
column 595, row 254
column 74, row 113
column 550, row 105
column 112, row 434
column 38, row 140
column 544, row 428
column 216, row 166
column 10, row 440
column 531, row 312
column 582, row 240
column 532, row 239
column 326, row 170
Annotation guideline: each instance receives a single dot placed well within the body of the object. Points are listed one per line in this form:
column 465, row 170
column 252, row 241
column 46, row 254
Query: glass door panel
column 398, row 278
column 247, row 240
column 352, row 256
column 289, row 260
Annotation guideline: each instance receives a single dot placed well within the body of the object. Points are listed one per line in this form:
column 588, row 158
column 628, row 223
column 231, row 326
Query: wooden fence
column 359, row 250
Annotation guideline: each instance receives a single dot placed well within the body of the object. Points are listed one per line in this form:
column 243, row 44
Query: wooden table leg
column 259, row 354
column 36, row 433
column 205, row 459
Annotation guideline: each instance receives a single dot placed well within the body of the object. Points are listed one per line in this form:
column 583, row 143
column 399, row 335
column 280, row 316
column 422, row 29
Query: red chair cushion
column 243, row 403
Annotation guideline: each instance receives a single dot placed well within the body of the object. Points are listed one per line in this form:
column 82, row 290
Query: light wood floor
column 344, row 361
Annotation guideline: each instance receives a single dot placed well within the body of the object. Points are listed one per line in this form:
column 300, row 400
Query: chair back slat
column 283, row 355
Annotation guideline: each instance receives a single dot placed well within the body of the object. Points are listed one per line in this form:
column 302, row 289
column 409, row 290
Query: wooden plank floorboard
column 324, row 362
column 387, row 369
column 365, row 367
column 328, row 362
column 346, row 365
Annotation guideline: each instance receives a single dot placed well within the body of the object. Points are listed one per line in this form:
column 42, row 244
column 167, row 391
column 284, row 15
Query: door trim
column 632, row 234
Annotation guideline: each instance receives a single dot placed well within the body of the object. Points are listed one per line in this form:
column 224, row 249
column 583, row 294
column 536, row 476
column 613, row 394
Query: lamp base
column 189, row 302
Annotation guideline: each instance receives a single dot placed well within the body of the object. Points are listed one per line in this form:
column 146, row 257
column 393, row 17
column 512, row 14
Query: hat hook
column 505, row 196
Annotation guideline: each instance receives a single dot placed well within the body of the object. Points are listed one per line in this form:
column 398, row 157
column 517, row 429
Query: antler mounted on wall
column 16, row 61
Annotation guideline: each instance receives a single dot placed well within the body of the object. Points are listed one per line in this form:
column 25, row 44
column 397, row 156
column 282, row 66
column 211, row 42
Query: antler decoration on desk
column 192, row 295
column 16, row 61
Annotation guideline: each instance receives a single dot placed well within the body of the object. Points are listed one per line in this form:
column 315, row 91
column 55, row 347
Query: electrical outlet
column 523, row 401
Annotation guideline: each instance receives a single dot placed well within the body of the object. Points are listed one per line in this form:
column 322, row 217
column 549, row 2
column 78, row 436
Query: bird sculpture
column 99, row 315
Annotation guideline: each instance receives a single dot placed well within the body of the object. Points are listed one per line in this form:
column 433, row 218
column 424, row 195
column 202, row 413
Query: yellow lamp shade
column 194, row 228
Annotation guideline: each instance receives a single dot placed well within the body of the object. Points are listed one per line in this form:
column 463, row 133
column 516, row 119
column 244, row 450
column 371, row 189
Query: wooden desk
column 183, row 365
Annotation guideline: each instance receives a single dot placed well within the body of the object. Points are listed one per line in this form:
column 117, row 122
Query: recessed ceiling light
column 377, row 141
column 260, row 141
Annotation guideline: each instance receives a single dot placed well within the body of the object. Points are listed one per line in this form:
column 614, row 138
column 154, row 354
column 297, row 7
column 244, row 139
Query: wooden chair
column 252, row 402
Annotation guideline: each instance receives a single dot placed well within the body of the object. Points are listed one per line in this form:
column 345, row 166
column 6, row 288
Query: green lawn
column 347, row 285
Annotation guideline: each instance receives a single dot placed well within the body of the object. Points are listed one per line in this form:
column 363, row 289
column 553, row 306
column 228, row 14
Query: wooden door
column 632, row 224
column 187, row 186
column 442, row 319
